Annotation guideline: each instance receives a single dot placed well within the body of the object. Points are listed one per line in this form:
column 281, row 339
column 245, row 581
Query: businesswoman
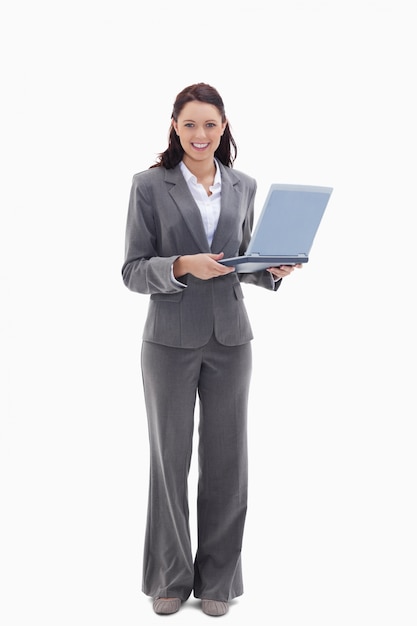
column 186, row 212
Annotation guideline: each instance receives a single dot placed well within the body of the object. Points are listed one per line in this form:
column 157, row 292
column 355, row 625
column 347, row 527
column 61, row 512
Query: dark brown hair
column 201, row 92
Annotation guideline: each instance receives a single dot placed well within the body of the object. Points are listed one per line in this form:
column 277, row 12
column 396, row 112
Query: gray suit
column 196, row 340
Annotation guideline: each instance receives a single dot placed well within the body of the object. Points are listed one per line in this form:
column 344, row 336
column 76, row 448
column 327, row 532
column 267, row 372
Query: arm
column 144, row 270
column 203, row 266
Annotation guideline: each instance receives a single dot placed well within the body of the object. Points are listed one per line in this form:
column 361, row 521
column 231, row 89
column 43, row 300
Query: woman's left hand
column 283, row 270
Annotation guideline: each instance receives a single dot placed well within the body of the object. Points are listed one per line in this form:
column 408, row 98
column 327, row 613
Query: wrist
column 180, row 266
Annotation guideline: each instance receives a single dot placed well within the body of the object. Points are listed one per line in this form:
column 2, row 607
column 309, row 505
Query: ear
column 175, row 126
column 224, row 125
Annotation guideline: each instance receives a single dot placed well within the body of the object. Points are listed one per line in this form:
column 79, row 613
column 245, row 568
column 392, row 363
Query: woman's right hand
column 203, row 266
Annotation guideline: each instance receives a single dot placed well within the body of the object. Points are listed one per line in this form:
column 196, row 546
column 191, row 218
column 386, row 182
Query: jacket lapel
column 229, row 209
column 187, row 207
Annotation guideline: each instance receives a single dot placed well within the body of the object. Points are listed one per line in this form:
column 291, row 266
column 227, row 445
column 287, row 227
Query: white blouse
column 209, row 205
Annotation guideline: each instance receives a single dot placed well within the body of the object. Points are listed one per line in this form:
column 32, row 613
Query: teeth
column 200, row 145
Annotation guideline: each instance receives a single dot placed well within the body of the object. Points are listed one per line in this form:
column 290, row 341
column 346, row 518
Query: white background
column 319, row 92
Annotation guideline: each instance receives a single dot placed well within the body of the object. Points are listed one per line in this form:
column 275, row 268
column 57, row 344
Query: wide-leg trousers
column 173, row 378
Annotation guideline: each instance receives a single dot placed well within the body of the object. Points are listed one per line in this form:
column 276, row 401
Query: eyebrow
column 194, row 121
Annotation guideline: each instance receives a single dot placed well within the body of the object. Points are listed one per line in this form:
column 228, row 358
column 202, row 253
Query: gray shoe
column 166, row 606
column 214, row 607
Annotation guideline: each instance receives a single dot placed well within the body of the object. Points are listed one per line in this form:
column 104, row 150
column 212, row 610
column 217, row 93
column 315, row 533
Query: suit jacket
column 164, row 223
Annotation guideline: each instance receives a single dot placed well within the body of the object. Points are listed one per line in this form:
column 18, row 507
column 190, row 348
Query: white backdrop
column 319, row 92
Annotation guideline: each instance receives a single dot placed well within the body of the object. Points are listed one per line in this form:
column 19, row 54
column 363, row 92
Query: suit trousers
column 173, row 378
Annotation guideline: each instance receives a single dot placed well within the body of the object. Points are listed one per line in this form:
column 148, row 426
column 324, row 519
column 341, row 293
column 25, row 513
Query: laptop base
column 247, row 264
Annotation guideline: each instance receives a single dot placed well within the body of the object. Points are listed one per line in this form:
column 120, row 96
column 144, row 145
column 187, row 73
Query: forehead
column 199, row 110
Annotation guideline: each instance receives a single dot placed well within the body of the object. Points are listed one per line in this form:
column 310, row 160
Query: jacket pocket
column 167, row 297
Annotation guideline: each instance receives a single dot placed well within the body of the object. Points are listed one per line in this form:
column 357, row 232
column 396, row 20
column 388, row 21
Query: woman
column 186, row 212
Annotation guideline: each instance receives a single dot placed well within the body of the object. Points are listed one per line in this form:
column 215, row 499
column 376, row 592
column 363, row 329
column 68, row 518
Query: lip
column 200, row 146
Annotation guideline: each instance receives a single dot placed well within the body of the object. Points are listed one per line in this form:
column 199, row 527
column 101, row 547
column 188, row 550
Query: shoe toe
column 166, row 606
column 214, row 607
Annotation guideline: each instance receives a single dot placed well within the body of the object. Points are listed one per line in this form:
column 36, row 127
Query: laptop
column 286, row 228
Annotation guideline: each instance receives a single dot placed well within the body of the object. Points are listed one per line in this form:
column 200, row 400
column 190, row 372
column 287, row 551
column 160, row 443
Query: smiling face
column 199, row 127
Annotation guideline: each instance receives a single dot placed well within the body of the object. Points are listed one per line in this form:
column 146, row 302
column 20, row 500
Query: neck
column 202, row 170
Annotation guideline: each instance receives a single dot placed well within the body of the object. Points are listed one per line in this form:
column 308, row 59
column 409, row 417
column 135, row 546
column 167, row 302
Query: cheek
column 217, row 138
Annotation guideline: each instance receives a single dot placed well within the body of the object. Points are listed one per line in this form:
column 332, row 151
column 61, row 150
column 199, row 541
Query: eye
column 188, row 125
column 211, row 124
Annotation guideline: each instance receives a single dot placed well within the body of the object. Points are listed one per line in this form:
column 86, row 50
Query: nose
column 201, row 133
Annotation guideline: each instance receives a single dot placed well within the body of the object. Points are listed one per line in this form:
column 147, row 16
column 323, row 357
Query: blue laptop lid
column 289, row 220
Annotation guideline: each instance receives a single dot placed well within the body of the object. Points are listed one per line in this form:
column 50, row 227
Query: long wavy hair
column 201, row 92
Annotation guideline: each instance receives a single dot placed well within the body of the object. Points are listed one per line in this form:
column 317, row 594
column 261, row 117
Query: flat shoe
column 166, row 606
column 214, row 607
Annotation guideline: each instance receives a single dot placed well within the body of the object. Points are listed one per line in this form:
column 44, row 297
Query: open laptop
column 286, row 228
